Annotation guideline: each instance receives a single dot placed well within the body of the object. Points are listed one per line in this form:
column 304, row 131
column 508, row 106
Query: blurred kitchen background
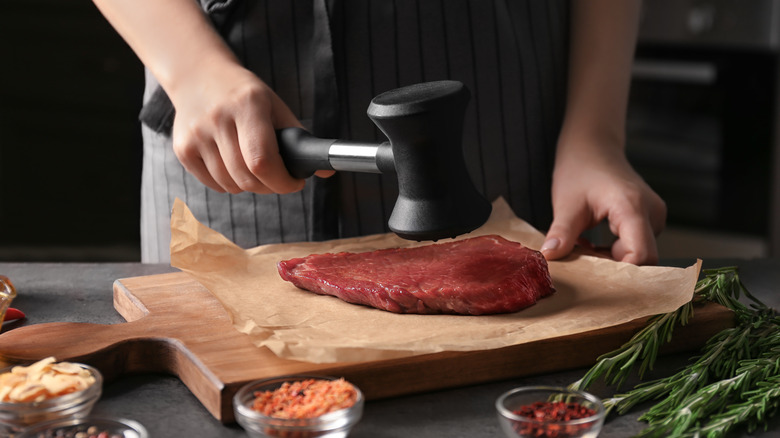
column 702, row 129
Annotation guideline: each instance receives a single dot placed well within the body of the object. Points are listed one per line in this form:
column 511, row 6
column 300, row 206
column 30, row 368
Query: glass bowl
column 89, row 426
column 7, row 294
column 16, row 416
column 336, row 424
column 555, row 424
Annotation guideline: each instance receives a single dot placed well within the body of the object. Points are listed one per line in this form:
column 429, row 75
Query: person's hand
column 592, row 179
column 226, row 117
column 592, row 184
column 224, row 132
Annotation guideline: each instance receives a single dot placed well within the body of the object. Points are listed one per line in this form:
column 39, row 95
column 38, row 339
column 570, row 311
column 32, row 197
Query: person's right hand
column 224, row 132
column 226, row 117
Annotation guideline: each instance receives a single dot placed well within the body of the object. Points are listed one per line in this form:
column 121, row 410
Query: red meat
column 477, row 276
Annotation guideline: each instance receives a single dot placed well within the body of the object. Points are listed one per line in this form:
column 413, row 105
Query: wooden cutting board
column 176, row 326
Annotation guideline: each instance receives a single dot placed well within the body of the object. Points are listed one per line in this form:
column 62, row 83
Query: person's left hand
column 593, row 184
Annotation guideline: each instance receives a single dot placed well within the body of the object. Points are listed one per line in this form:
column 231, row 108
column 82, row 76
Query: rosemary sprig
column 733, row 382
column 716, row 408
column 720, row 357
column 614, row 367
column 758, row 404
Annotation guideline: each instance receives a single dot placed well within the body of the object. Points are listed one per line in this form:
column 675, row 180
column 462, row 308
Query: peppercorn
column 548, row 418
column 82, row 431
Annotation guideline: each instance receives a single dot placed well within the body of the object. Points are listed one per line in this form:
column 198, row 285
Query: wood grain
column 176, row 326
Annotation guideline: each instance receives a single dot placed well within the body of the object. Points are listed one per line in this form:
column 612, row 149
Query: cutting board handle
column 113, row 349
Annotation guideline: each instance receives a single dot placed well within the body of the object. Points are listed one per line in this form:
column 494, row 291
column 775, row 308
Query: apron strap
column 325, row 197
column 326, row 96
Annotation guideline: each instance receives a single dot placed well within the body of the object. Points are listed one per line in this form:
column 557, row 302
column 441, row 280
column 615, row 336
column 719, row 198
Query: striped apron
column 327, row 59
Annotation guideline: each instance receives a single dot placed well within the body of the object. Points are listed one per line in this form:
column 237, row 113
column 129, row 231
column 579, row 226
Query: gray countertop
column 80, row 292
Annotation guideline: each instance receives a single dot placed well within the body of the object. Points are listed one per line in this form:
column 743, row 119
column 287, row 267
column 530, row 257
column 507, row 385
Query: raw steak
column 476, row 276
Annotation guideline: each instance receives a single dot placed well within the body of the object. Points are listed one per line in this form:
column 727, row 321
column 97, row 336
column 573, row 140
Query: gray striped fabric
column 510, row 54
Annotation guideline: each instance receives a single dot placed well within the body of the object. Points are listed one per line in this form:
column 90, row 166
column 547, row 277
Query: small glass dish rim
column 135, row 426
column 506, row 413
column 320, row 423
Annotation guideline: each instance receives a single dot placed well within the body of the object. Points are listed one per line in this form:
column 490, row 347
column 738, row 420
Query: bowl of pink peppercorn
column 87, row 427
column 549, row 412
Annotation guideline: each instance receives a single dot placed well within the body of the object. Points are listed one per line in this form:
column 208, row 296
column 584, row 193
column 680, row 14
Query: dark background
column 70, row 146
column 70, row 149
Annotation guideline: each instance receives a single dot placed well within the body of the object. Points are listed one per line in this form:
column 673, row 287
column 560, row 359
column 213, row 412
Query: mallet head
column 424, row 124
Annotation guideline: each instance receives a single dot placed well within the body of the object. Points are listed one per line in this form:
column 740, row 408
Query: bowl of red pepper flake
column 549, row 412
column 299, row 406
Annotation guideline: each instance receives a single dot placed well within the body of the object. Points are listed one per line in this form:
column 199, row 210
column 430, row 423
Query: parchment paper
column 591, row 293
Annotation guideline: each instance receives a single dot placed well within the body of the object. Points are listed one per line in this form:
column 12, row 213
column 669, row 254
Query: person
column 545, row 128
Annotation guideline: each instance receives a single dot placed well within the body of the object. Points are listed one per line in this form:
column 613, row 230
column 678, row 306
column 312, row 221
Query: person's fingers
column 636, row 242
column 636, row 221
column 198, row 169
column 325, row 173
column 232, row 143
column 658, row 213
column 260, row 152
column 568, row 224
column 200, row 157
column 267, row 164
column 215, row 165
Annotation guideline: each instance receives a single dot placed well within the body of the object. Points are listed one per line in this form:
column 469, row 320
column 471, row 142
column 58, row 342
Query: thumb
column 563, row 234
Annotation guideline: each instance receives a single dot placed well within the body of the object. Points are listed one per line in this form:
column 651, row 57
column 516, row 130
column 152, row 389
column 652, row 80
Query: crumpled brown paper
column 591, row 293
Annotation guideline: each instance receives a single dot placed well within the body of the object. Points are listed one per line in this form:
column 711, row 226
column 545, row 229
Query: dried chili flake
column 12, row 314
column 549, row 418
column 305, row 399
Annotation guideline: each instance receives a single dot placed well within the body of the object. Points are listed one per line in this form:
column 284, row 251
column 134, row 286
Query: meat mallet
column 424, row 124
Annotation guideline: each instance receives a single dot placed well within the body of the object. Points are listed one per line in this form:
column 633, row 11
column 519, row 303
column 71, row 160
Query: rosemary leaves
column 734, row 382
